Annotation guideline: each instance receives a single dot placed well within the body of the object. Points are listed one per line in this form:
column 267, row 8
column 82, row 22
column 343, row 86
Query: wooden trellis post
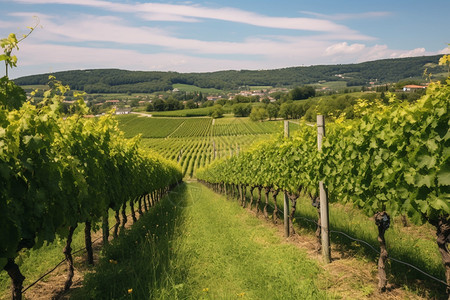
column 324, row 220
column 286, row 199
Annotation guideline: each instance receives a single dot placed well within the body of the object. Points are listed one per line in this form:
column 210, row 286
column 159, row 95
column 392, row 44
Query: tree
column 265, row 100
column 190, row 104
column 172, row 104
column 297, row 110
column 286, row 110
column 300, row 93
column 258, row 114
column 242, row 109
column 149, row 107
column 272, row 110
column 216, row 111
column 159, row 105
column 207, row 103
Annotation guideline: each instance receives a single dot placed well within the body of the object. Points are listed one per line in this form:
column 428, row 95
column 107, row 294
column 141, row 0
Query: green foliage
column 292, row 110
column 300, row 93
column 259, row 114
column 216, row 111
column 192, row 141
column 114, row 81
column 396, row 159
column 242, row 109
column 193, row 112
column 272, row 110
column 11, row 95
column 147, row 127
column 190, row 104
column 57, row 171
column 10, row 44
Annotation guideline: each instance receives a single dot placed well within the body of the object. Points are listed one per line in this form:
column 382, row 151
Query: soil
column 52, row 286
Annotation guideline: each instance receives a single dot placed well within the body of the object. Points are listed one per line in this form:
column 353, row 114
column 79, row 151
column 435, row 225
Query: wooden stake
column 286, row 214
column 324, row 221
column 286, row 128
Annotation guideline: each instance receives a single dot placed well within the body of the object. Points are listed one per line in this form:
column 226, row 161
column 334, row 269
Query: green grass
column 194, row 112
column 35, row 87
column 334, row 85
column 192, row 88
column 415, row 245
column 196, row 245
column 259, row 87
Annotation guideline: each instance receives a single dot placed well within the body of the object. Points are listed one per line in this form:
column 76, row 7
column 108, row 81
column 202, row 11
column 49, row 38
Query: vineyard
column 57, row 173
column 61, row 171
column 196, row 142
column 391, row 163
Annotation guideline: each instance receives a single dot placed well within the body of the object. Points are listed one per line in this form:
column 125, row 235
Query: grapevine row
column 393, row 161
column 59, row 172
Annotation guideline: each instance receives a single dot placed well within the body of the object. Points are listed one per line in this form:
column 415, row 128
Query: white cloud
column 88, row 28
column 91, row 41
column 344, row 52
column 344, row 48
column 414, row 52
column 52, row 58
column 446, row 50
column 191, row 13
column 339, row 17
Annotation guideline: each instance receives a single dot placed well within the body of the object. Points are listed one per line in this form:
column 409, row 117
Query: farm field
column 196, row 142
column 194, row 112
column 192, row 88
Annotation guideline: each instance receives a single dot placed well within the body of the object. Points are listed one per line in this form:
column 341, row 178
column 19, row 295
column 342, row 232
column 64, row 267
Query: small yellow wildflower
column 241, row 294
column 112, row 261
column 130, row 291
column 206, row 290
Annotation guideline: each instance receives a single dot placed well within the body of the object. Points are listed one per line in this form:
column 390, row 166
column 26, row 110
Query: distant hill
column 122, row 81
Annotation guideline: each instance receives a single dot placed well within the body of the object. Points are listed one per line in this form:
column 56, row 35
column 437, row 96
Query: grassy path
column 197, row 245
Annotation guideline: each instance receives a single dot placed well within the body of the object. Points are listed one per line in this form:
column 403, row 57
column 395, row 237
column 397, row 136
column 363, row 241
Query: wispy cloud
column 192, row 13
column 130, row 35
column 109, row 29
column 340, row 17
column 360, row 52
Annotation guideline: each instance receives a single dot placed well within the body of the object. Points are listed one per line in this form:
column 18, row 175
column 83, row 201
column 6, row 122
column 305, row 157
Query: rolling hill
column 122, row 81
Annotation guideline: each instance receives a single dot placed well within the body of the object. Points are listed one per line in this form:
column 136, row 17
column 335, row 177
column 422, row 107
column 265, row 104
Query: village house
column 413, row 88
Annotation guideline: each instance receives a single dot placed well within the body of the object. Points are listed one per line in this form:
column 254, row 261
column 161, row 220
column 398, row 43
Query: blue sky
column 203, row 36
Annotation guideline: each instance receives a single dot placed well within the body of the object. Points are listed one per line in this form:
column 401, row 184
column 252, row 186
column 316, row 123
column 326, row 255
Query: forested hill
column 114, row 80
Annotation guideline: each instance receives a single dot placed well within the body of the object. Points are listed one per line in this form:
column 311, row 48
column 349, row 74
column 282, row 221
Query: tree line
column 122, row 81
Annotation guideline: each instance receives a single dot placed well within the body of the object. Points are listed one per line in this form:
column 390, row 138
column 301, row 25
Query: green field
column 259, row 87
column 194, row 112
column 192, row 88
column 333, row 85
column 147, row 127
column 196, row 142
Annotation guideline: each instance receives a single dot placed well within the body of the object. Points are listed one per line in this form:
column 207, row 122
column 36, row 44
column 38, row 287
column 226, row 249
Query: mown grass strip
column 196, row 245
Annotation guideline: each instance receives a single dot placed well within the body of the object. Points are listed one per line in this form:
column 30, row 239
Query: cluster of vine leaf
column 394, row 158
column 281, row 164
column 57, row 172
